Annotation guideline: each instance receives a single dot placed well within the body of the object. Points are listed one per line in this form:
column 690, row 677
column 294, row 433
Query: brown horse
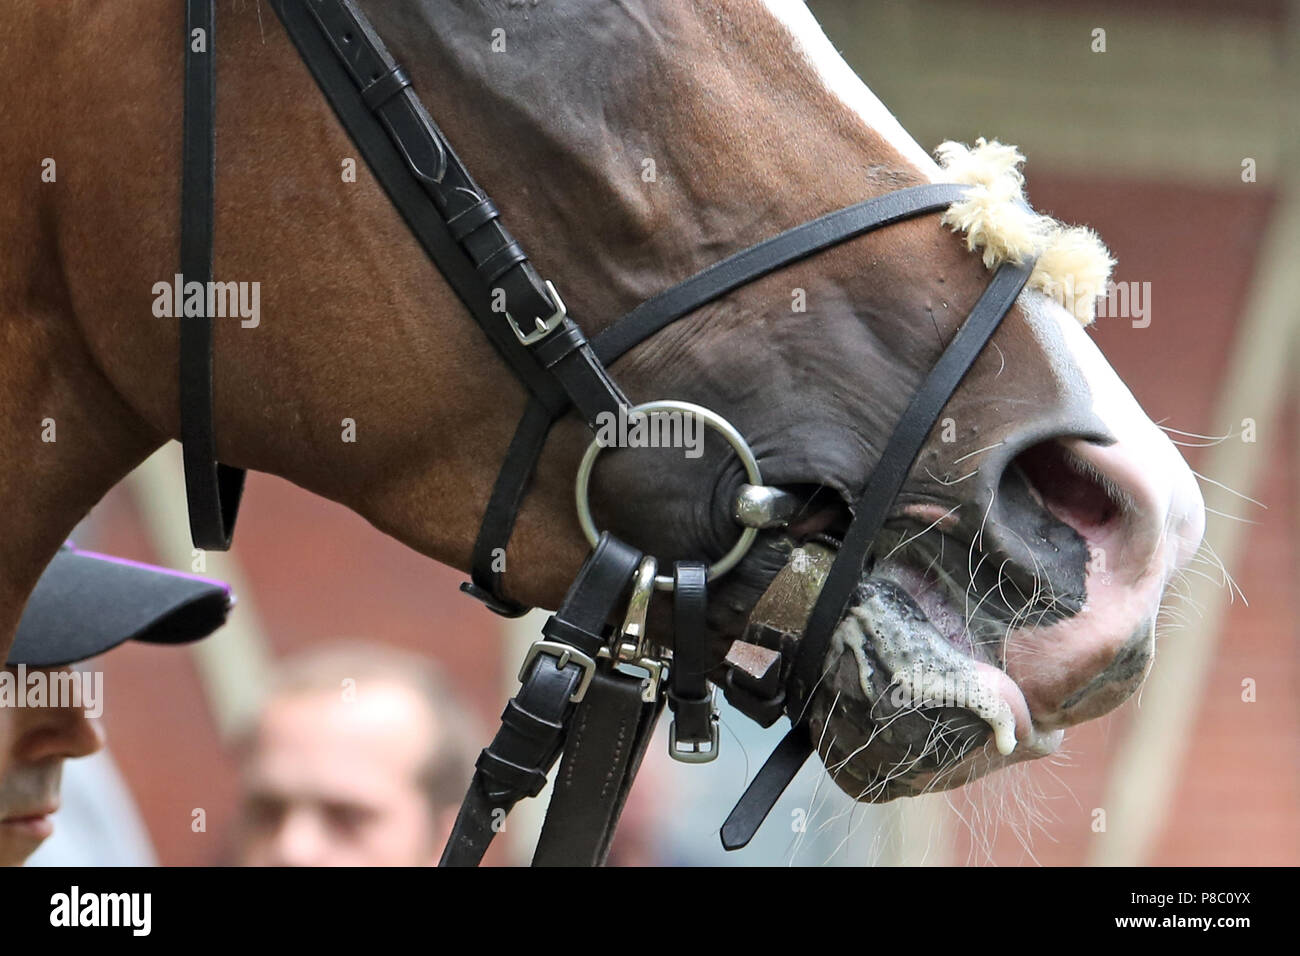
column 629, row 145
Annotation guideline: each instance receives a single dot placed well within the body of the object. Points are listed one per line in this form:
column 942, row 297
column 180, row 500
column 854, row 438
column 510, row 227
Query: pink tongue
column 1004, row 687
column 923, row 656
column 929, row 596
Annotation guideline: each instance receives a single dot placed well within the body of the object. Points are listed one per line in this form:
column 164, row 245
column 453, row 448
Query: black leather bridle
column 576, row 695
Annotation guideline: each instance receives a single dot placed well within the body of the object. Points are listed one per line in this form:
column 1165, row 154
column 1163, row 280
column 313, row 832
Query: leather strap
column 784, row 249
column 766, row 788
column 689, row 695
column 503, row 508
column 891, row 471
column 535, row 721
column 607, row 739
column 402, row 173
column 455, row 220
column 212, row 490
column 656, row 313
column 582, row 620
column 515, row 764
column 870, row 512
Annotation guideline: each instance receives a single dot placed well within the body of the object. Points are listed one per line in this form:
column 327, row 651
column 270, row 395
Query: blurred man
column 83, row 605
column 360, row 757
column 34, row 742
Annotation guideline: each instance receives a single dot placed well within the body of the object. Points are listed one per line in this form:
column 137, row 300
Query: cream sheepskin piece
column 1073, row 265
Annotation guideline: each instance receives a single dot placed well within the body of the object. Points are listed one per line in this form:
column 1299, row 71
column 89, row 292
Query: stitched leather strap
column 212, row 490
column 515, row 764
column 870, row 511
column 403, row 173
column 607, row 739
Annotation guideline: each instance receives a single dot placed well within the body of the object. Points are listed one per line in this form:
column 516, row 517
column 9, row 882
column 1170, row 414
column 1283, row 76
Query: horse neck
column 65, row 439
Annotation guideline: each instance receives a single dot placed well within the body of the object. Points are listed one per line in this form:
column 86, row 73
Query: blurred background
column 1173, row 132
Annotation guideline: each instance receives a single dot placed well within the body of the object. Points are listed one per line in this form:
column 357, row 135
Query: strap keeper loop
column 378, row 92
column 528, row 724
column 580, row 638
column 501, row 261
column 528, row 781
column 471, row 218
column 554, row 348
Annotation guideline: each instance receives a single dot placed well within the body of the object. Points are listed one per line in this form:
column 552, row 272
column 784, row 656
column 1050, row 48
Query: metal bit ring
column 717, row 423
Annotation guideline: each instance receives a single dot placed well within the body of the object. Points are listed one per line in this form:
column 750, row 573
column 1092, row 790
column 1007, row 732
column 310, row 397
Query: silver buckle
column 563, row 653
column 544, row 326
column 679, row 751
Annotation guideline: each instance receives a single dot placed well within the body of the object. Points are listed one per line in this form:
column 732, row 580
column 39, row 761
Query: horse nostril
column 1072, row 489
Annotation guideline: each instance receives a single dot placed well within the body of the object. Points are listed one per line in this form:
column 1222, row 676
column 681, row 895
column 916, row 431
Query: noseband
column 593, row 692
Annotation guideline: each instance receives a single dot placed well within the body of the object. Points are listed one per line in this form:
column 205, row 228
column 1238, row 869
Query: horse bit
column 589, row 690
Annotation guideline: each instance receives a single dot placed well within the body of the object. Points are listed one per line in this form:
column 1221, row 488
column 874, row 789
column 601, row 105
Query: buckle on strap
column 564, row 655
column 692, row 751
column 695, row 718
column 544, row 326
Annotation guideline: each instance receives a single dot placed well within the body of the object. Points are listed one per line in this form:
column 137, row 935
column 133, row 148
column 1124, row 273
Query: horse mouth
column 915, row 696
column 970, row 641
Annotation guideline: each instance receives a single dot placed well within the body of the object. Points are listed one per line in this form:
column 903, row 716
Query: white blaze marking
column 847, row 86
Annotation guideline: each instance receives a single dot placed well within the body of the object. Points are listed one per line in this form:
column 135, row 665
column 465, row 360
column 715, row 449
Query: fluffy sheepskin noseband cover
column 1073, row 265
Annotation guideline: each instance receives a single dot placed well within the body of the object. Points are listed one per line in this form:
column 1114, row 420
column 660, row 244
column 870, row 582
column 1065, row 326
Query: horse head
column 1015, row 588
